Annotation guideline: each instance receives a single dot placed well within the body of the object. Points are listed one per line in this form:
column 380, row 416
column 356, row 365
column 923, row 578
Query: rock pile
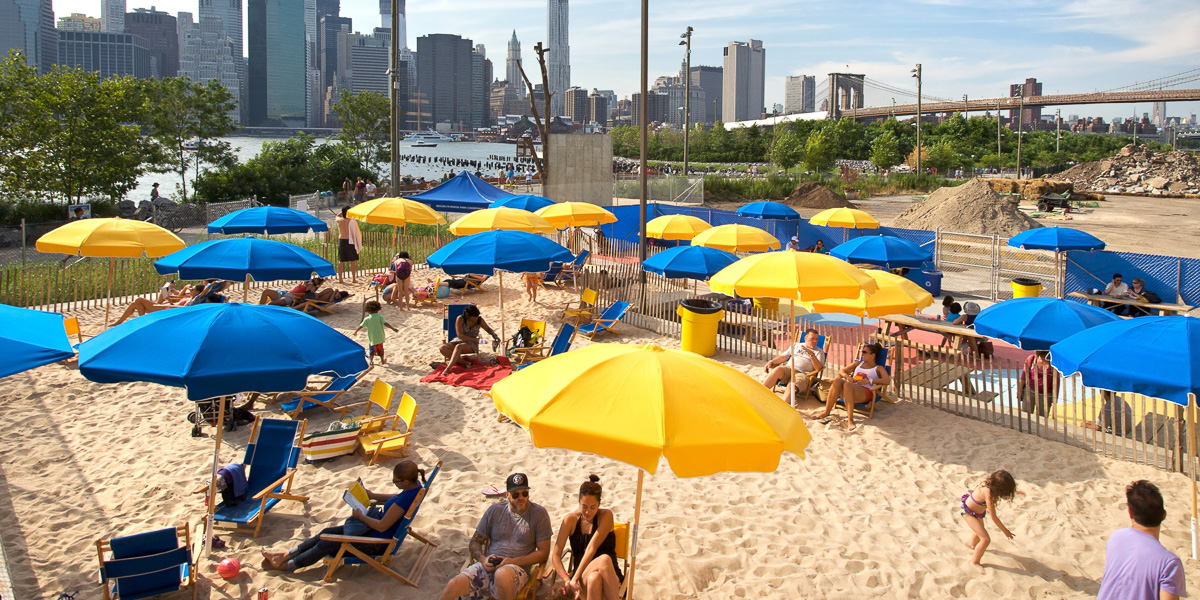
column 1139, row 170
column 973, row 207
column 811, row 194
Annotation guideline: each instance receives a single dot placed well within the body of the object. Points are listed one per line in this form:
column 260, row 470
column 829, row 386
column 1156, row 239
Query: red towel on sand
column 479, row 377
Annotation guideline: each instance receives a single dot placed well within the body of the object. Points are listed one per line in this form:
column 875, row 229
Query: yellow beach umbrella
column 896, row 295
column 111, row 239
column 491, row 219
column 736, row 238
column 395, row 211
column 850, row 218
column 676, row 227
column 576, row 214
column 638, row 404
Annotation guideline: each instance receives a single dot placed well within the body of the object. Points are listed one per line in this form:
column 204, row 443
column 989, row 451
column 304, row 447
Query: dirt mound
column 812, row 194
column 972, row 207
column 1138, row 169
column 1030, row 189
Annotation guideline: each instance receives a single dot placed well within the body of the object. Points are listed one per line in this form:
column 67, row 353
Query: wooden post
column 1191, row 442
column 502, row 331
column 246, row 290
column 637, row 513
column 107, row 305
column 212, row 483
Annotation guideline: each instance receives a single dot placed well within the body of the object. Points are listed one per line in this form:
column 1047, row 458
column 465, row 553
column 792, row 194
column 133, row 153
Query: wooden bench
column 1163, row 308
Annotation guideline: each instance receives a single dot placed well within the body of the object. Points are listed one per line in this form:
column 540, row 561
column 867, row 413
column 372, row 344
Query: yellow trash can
column 700, row 321
column 769, row 306
column 1026, row 288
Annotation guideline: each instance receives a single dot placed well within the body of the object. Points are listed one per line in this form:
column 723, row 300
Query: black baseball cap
column 517, row 481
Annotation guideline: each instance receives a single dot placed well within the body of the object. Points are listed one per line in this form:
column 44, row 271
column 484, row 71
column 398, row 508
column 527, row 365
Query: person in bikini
column 975, row 505
column 857, row 383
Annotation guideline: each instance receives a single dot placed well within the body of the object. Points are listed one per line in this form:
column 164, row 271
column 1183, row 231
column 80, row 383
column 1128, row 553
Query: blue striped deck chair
column 325, row 395
column 453, row 312
column 270, row 462
column 573, row 268
column 350, row 554
column 523, row 357
column 607, row 320
column 554, row 275
column 147, row 564
column 868, row 408
column 813, row 377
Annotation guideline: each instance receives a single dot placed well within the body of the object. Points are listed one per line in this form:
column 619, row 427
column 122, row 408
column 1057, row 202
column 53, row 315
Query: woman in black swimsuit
column 589, row 530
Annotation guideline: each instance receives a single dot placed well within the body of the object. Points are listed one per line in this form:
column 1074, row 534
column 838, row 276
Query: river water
column 418, row 162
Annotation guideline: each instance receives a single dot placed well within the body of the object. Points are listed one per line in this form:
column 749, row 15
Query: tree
column 366, row 127
column 885, row 151
column 941, row 156
column 177, row 110
column 818, row 152
column 912, row 157
column 294, row 166
column 787, row 149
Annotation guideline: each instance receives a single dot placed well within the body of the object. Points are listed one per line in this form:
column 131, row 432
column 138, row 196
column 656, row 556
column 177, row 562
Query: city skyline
column 1067, row 45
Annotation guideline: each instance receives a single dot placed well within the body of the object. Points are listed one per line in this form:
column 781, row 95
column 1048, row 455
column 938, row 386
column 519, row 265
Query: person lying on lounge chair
column 380, row 523
column 466, row 339
column 305, row 290
column 192, row 295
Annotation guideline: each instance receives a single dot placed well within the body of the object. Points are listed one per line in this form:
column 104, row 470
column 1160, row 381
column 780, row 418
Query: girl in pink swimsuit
column 976, row 503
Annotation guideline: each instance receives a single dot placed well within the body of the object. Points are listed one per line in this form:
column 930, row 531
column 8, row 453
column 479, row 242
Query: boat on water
column 191, row 144
column 430, row 136
column 424, row 145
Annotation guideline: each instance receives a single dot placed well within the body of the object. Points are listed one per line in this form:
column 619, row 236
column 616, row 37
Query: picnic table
column 956, row 333
column 1163, row 308
column 937, row 375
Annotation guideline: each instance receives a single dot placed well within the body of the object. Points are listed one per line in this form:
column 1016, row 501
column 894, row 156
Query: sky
column 965, row 46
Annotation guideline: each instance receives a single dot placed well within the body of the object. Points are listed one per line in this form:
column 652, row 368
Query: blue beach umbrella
column 267, row 220
column 31, row 338
column 834, row 320
column 490, row 251
column 766, row 209
column 884, row 250
column 1038, row 323
column 221, row 350
column 527, row 202
column 689, row 262
column 239, row 258
column 1058, row 239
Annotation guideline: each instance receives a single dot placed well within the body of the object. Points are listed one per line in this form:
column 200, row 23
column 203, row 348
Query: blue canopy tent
column 465, row 193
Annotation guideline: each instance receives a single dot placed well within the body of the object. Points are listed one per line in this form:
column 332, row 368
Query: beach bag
column 1149, row 296
column 339, row 439
column 523, row 338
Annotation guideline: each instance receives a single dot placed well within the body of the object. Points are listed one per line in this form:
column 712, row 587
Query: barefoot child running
column 374, row 324
column 532, row 282
column 975, row 506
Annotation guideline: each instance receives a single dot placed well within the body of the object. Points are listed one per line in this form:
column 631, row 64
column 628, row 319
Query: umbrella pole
column 246, row 290
column 502, row 332
column 637, row 513
column 108, row 304
column 1192, row 445
column 792, row 349
column 212, row 482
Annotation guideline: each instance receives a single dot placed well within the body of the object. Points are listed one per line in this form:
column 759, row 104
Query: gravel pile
column 1138, row 170
column 812, row 194
column 973, row 207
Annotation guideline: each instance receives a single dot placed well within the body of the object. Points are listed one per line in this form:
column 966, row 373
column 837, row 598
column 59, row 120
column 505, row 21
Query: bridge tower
column 845, row 93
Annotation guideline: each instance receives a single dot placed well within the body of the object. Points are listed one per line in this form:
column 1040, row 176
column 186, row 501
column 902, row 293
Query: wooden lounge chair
column 538, row 328
column 313, row 306
column 813, row 377
column 561, row 343
column 380, row 437
column 382, row 396
column 475, row 282
column 584, row 310
column 552, row 276
column 622, row 532
column 147, row 564
column 530, row 590
column 349, row 554
column 326, row 395
column 607, row 320
column 868, row 408
column 431, row 299
column 572, row 269
column 270, row 463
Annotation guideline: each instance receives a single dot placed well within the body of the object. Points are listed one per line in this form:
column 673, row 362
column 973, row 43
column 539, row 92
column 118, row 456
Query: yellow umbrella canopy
column 576, row 214
column 110, row 238
column 491, row 219
column 637, row 404
column 395, row 211
column 895, row 295
column 802, row 276
column 850, row 218
column 736, row 238
column 676, row 227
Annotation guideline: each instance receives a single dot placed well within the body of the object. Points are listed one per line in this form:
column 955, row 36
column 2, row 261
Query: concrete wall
column 580, row 168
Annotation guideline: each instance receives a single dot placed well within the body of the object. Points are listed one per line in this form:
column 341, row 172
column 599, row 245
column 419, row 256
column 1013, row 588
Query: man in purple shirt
column 1136, row 565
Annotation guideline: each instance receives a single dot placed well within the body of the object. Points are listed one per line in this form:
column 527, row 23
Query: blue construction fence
column 1171, row 277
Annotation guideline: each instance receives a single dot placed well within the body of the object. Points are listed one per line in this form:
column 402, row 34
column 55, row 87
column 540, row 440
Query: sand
column 811, row 194
column 866, row 514
column 972, row 207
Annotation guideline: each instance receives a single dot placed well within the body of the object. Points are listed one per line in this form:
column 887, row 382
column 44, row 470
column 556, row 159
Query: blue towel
column 234, row 475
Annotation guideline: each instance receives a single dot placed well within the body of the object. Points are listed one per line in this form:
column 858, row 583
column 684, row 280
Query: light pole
column 999, row 151
column 687, row 94
column 1020, row 126
column 893, row 108
column 394, row 74
column 917, row 73
column 1057, row 130
column 966, row 107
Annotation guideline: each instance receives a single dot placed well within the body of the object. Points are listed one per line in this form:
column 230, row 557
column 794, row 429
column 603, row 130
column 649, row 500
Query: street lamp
column 687, row 94
column 1057, row 130
column 917, row 73
column 966, row 107
column 1020, row 125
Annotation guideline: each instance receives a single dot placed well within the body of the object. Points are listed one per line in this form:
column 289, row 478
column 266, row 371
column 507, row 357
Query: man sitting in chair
column 806, row 356
column 517, row 533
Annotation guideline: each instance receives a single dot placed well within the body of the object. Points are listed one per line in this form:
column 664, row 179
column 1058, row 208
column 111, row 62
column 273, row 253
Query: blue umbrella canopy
column 1154, row 356
column 1038, row 323
column 220, row 350
column 513, row 251
column 834, row 320
column 766, row 209
column 267, row 220
column 31, row 338
column 689, row 262
column 1058, row 239
column 264, row 260
column 884, row 250
column 527, row 202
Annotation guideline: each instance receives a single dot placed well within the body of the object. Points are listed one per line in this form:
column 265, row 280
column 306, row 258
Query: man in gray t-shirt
column 517, row 534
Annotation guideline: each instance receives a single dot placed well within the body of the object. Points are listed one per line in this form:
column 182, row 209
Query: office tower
column 711, row 80
column 327, row 37
column 512, row 67
column 444, row 73
column 385, row 19
column 162, row 34
column 1158, row 113
column 106, row 53
column 481, row 86
column 229, row 14
column 558, row 60
column 656, row 108
column 744, row 81
column 367, row 63
column 112, row 16
column 598, row 108
column 577, row 106
column 205, row 54
column 78, row 22
column 28, row 26
column 1032, row 114
column 277, row 75
column 674, row 98
column 799, row 94
column 314, row 109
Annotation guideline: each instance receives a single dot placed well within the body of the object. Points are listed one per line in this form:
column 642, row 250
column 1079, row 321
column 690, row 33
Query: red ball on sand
column 229, row 568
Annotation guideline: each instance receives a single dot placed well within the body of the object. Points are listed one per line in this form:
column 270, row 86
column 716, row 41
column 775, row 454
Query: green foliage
column 294, row 166
column 885, row 151
column 34, row 211
column 819, row 152
column 365, row 119
column 942, row 157
column 178, row 109
column 787, row 149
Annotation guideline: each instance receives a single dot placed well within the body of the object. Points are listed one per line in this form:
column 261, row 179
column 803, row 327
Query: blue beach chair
column 562, row 342
column 554, row 275
column 453, row 312
column 326, row 395
column 868, row 408
column 606, row 321
column 573, row 268
column 270, row 463
column 813, row 377
column 349, row 554
column 147, row 564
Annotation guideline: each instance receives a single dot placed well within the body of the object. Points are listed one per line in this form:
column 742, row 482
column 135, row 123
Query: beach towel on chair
column 480, row 378
column 233, row 476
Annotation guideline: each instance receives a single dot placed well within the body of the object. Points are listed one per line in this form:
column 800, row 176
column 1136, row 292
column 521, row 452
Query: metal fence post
column 22, row 242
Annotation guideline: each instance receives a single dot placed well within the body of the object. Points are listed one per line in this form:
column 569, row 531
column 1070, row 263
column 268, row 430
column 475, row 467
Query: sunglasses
column 520, row 494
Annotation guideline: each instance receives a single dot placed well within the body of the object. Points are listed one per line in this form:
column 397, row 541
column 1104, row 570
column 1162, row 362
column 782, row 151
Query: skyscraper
column 1158, row 113
column 108, row 54
column 112, row 16
column 444, row 77
column 577, row 106
column 162, row 34
column 558, row 63
column 744, row 81
column 205, row 53
column 277, row 75
column 481, row 86
column 78, row 22
column 799, row 94
column 712, row 81
column 1031, row 115
column 229, row 14
column 598, row 108
column 511, row 69
column 28, row 26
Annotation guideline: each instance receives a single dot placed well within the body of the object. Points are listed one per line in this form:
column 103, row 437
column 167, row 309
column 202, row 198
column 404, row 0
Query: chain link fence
column 674, row 189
